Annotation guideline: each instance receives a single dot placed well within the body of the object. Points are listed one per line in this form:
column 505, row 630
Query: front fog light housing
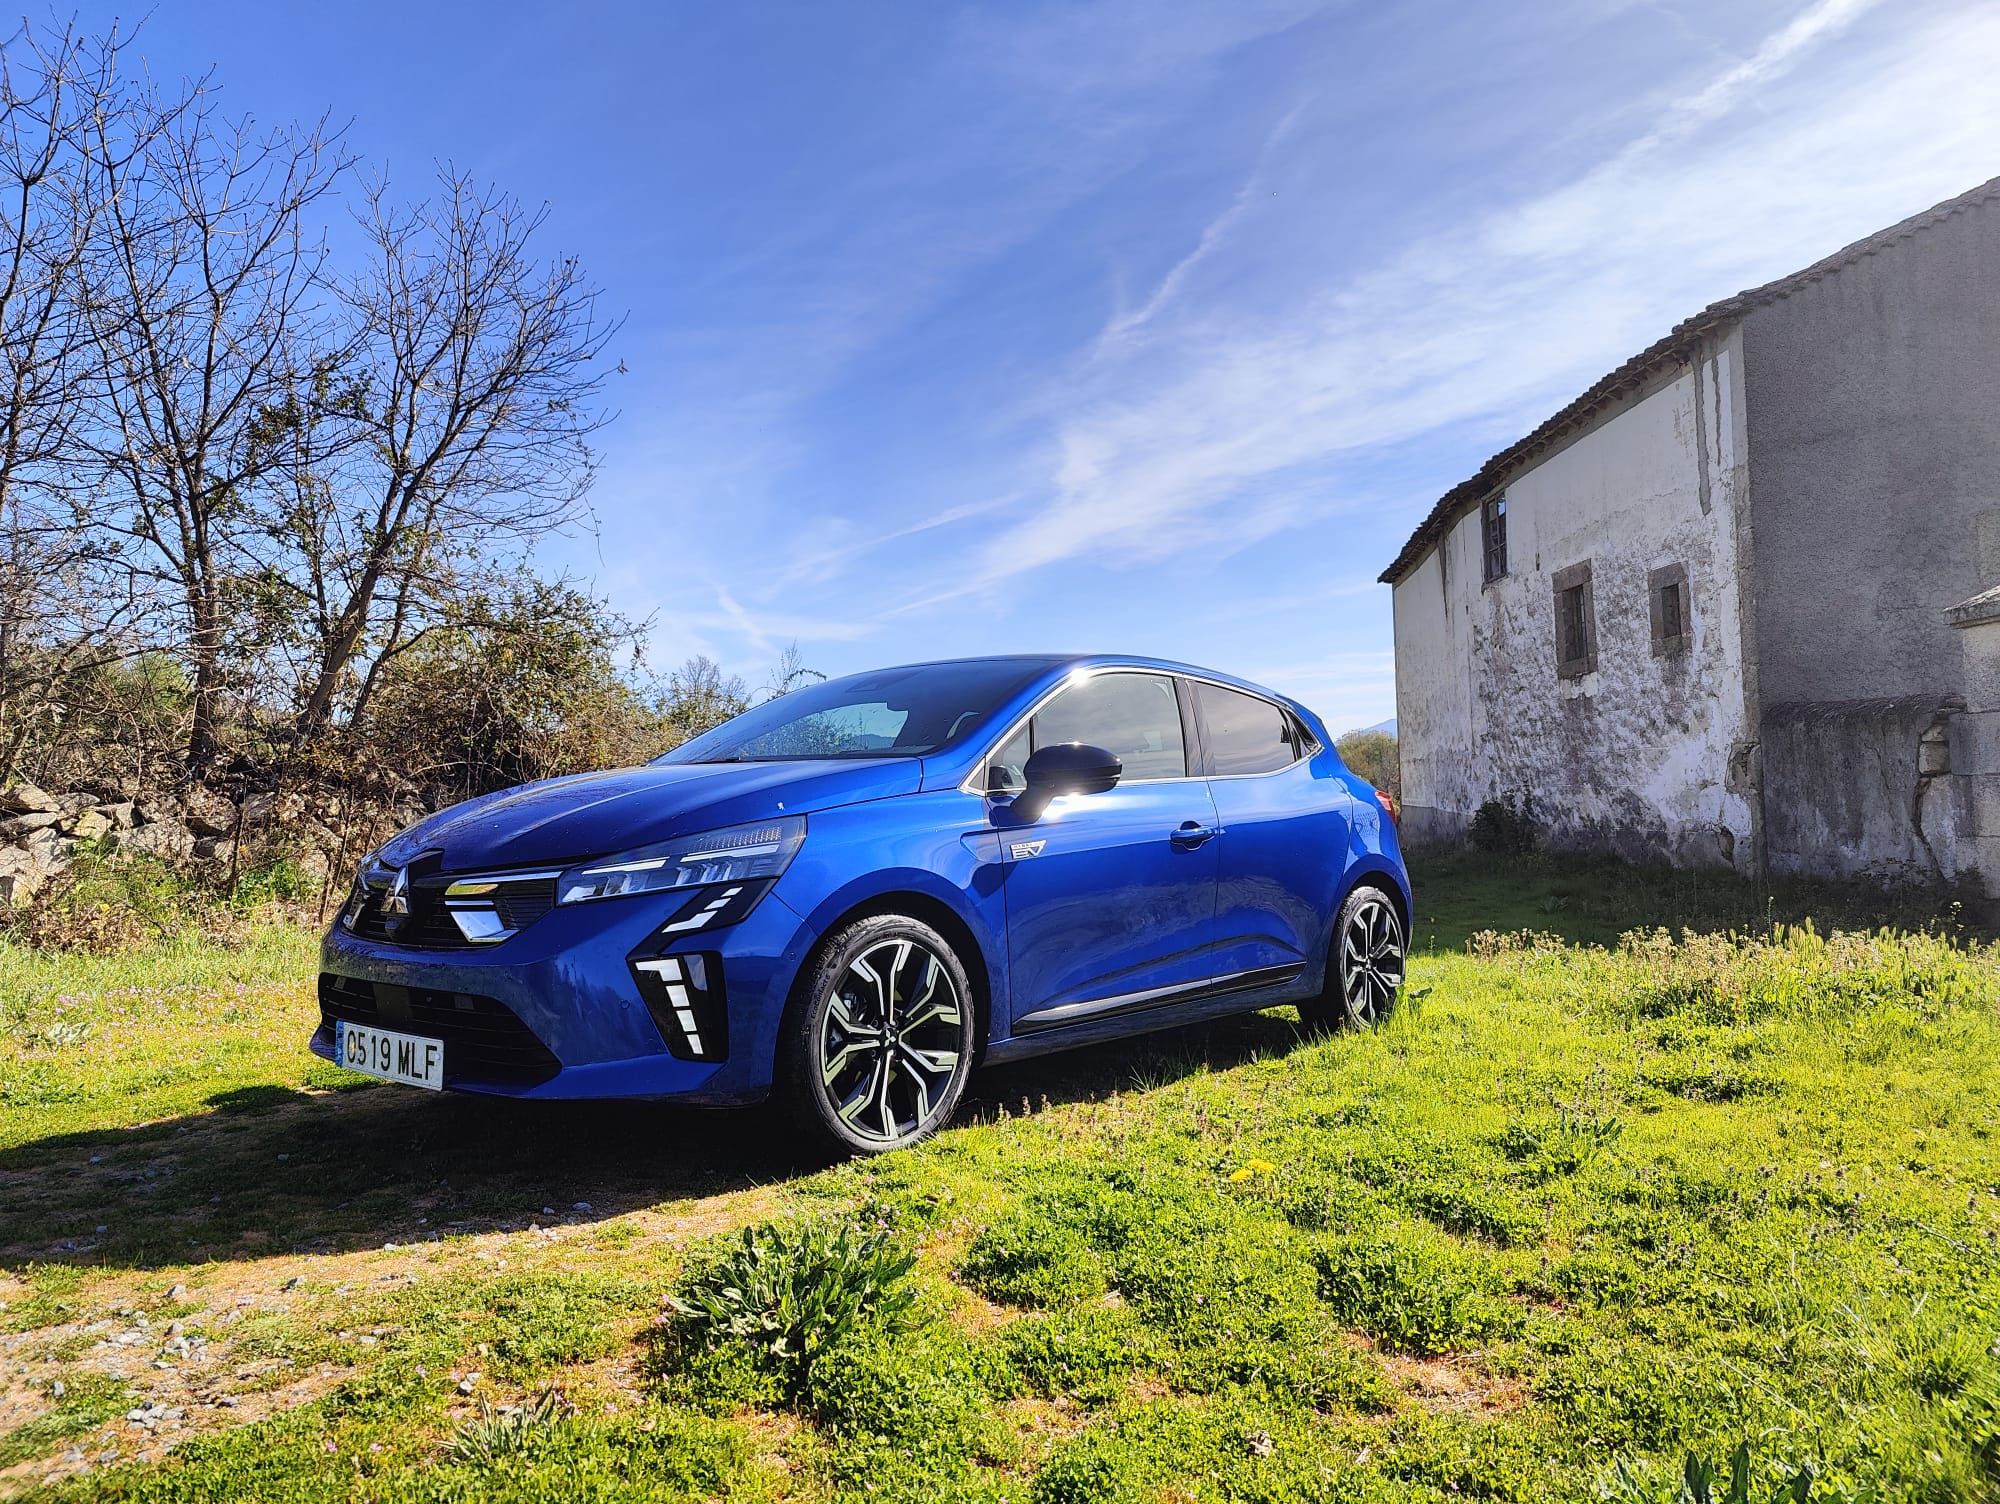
column 737, row 854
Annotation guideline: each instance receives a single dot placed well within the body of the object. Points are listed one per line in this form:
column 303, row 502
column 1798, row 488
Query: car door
column 1110, row 897
column 1284, row 840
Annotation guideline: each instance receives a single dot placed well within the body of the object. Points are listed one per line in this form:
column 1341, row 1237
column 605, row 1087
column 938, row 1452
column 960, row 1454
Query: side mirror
column 1069, row 768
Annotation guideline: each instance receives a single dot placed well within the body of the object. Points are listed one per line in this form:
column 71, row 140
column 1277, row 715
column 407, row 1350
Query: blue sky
column 1140, row 327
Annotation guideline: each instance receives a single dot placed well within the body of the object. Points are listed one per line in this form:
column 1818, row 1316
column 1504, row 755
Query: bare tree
column 699, row 697
column 477, row 372
column 789, row 672
column 207, row 314
column 60, row 617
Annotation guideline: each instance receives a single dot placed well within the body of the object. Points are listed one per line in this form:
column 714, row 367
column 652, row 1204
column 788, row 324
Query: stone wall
column 42, row 832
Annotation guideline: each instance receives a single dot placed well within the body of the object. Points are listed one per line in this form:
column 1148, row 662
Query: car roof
column 1069, row 661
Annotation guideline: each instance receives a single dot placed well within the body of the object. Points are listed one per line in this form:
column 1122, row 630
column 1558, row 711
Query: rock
column 26, row 799
column 206, row 812
column 21, row 877
column 26, row 869
column 51, row 848
column 120, row 814
column 168, row 839
column 89, row 825
column 27, row 825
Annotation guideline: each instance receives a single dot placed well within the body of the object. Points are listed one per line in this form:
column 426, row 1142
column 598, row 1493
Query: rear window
column 1246, row 734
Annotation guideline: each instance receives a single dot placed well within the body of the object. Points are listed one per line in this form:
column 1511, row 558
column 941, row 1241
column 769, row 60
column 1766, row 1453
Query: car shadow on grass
column 272, row 1170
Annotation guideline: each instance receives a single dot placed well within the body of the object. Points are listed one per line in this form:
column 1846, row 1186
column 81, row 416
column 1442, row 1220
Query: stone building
column 1732, row 605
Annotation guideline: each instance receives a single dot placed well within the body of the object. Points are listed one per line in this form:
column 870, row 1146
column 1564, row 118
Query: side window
column 1004, row 773
column 1135, row 716
column 1244, row 734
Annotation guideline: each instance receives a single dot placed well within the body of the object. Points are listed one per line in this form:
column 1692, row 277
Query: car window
column 891, row 712
column 1005, row 769
column 1244, row 734
column 1134, row 716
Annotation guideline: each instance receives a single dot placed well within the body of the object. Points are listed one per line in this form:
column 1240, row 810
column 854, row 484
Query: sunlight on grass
column 1587, row 1218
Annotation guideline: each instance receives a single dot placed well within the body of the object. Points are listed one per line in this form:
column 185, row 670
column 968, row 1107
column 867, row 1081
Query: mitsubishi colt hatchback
column 848, row 896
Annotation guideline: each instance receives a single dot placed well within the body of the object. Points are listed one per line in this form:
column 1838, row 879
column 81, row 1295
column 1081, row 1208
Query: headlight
column 741, row 853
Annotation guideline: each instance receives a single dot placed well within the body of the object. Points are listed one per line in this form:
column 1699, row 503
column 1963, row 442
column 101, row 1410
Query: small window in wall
column 1576, row 623
column 1493, row 536
column 1673, row 627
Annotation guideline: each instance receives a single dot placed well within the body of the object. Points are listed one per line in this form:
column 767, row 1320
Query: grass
column 1586, row 1219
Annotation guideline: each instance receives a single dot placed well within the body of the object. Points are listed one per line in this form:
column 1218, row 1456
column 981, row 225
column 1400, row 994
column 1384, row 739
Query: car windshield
column 892, row 712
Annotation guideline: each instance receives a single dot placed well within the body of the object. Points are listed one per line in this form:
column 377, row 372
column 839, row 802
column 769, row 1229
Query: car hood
column 561, row 820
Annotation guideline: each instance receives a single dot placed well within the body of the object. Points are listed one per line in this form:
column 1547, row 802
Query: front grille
column 517, row 900
column 484, row 1039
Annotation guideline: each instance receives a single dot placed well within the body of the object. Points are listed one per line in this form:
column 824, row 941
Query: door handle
column 1193, row 833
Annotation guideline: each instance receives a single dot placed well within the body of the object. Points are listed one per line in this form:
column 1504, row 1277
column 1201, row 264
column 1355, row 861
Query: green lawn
column 1582, row 1209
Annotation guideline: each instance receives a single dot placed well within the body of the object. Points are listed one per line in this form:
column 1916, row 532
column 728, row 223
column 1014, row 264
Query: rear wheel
column 1364, row 965
column 876, row 1052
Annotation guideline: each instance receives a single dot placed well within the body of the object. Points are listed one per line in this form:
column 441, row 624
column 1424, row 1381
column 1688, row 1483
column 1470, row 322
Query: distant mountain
column 1388, row 726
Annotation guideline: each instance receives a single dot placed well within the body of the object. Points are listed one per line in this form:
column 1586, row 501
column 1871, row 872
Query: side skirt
column 1073, row 1015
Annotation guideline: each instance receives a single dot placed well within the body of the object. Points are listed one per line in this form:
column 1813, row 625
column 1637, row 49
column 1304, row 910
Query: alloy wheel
column 890, row 1041
column 1371, row 951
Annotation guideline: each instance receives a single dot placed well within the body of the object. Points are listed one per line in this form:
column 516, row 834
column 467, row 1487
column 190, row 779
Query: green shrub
column 1507, row 823
column 784, row 1293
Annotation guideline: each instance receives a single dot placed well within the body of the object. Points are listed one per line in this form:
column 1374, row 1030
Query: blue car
column 846, row 897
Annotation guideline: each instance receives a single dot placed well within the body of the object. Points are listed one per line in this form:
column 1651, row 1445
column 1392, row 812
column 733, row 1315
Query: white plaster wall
column 1648, row 756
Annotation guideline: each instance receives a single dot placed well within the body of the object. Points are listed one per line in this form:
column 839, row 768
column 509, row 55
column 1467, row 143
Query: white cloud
column 1764, row 167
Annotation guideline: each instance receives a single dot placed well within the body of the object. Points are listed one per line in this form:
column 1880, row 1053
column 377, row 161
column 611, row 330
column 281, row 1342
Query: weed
column 510, row 1431
column 783, row 1293
column 1410, row 1290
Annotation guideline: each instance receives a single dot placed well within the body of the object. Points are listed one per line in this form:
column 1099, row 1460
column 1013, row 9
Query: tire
column 1364, row 965
column 854, row 1081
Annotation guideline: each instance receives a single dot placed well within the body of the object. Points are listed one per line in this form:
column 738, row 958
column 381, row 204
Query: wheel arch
column 1385, row 878
column 941, row 917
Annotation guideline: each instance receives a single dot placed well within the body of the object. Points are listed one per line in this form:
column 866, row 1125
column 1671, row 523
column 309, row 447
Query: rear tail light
column 1388, row 802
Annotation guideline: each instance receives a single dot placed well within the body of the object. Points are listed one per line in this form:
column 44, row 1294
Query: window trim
column 1658, row 581
column 974, row 782
column 1309, row 742
column 1492, row 520
column 1574, row 577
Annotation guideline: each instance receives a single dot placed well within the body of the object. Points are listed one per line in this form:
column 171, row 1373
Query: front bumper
column 567, row 980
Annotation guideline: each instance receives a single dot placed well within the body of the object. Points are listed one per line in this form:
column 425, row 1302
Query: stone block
column 90, row 825
column 26, row 825
column 166, row 839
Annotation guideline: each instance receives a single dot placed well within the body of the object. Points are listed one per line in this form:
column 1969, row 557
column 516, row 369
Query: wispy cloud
column 1166, row 437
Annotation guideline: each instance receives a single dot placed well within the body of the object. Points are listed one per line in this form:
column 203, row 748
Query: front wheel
column 1364, row 966
column 875, row 1054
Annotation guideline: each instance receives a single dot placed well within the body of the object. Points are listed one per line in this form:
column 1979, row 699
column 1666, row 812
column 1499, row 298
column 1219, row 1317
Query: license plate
column 408, row 1058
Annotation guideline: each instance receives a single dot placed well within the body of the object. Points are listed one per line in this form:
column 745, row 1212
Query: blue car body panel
column 1110, row 914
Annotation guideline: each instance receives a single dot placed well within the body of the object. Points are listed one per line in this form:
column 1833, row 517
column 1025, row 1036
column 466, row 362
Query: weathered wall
column 1646, row 755
column 1873, row 397
column 1848, row 789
